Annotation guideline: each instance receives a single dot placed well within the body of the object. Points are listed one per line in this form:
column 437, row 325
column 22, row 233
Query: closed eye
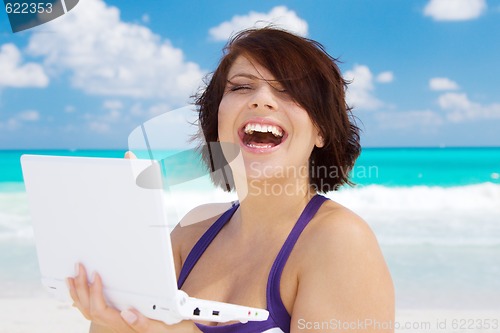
column 231, row 86
column 236, row 88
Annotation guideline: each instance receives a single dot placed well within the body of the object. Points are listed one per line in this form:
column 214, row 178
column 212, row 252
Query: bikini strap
column 274, row 301
column 203, row 243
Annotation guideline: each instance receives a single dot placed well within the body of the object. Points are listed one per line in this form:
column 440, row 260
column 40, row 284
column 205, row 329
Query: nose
column 263, row 97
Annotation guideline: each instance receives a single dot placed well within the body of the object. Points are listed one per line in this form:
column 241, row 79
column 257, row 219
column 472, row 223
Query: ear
column 320, row 142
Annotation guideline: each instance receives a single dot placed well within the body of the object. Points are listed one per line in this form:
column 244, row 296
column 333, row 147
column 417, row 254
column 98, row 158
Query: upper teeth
column 263, row 128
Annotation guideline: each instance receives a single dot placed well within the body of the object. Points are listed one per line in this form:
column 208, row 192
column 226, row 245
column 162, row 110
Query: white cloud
column 136, row 109
column 360, row 91
column 103, row 123
column 385, row 77
column 106, row 56
column 279, row 16
column 17, row 120
column 11, row 124
column 459, row 108
column 408, row 119
column 450, row 101
column 112, row 104
column 442, row 83
column 157, row 109
column 29, row 115
column 16, row 74
column 69, row 109
column 99, row 127
column 455, row 10
column 148, row 110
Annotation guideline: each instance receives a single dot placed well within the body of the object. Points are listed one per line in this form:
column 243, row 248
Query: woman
column 315, row 265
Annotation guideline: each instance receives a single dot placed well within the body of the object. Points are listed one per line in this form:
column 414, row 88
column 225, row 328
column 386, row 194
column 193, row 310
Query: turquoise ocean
column 435, row 212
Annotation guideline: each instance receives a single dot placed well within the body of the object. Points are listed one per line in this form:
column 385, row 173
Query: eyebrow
column 251, row 77
column 245, row 75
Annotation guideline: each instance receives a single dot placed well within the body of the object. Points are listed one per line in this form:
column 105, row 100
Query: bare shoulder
column 340, row 239
column 341, row 267
column 335, row 227
column 193, row 225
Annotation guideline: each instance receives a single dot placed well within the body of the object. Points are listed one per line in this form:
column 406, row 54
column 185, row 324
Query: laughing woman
column 312, row 263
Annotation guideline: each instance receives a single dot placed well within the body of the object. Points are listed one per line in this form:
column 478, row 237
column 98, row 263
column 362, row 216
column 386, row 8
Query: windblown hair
column 312, row 79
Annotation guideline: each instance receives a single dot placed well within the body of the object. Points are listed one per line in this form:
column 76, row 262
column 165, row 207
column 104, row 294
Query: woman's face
column 274, row 134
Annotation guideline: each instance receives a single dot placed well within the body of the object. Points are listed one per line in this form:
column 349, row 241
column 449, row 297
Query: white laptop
column 90, row 210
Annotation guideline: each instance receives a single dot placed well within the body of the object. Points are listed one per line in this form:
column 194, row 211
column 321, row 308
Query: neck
column 267, row 206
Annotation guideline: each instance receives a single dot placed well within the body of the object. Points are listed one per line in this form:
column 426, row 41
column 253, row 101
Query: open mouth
column 262, row 136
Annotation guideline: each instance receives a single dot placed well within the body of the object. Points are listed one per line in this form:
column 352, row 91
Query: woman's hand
column 89, row 299
column 130, row 155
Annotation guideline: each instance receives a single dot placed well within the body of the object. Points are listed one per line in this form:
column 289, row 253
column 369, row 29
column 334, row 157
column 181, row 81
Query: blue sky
column 424, row 72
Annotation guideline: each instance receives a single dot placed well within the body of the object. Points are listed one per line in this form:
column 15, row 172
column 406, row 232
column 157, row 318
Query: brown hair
column 312, row 79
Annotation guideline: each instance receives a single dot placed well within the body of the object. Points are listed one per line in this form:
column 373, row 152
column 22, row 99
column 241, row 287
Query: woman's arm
column 94, row 328
column 344, row 284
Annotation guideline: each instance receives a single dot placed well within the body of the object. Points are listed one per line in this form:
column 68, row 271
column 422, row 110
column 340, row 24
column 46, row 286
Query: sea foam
column 409, row 215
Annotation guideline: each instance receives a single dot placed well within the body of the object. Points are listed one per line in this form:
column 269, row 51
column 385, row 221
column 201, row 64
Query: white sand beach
column 40, row 315
column 448, row 321
column 45, row 315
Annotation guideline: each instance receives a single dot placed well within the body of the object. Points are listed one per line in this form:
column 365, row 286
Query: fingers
column 70, row 282
column 130, row 155
column 82, row 285
column 141, row 324
column 132, row 318
column 99, row 309
column 97, row 301
column 89, row 299
column 79, row 290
